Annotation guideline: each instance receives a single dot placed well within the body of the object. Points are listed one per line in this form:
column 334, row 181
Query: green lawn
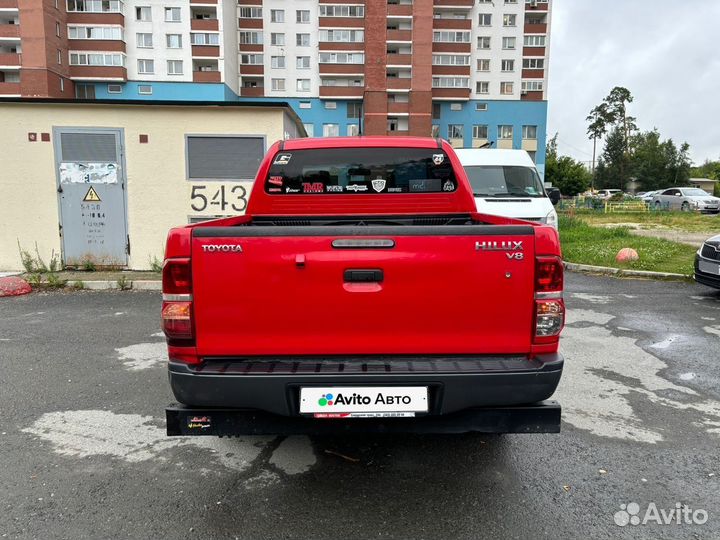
column 585, row 244
column 684, row 221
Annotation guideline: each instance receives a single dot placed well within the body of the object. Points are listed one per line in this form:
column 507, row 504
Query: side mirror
column 678, row 194
column 554, row 196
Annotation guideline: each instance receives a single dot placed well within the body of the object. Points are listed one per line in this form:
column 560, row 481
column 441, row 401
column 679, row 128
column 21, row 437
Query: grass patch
column 585, row 244
column 681, row 221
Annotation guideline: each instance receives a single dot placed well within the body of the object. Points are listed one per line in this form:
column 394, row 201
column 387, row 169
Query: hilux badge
column 510, row 245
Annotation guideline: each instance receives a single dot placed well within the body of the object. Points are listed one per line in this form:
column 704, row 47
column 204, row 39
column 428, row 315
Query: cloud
column 661, row 51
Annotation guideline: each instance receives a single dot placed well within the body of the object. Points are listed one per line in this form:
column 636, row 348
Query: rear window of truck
column 361, row 171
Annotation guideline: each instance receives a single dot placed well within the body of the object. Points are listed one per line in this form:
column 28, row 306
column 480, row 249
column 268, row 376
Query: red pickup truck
column 362, row 283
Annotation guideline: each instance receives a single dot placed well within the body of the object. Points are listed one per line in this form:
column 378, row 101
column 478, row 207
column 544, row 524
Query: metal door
column 91, row 189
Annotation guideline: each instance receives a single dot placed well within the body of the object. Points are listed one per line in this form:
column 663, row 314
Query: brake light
column 549, row 305
column 177, row 308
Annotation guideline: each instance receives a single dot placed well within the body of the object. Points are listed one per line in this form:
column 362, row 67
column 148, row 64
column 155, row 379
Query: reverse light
column 549, row 317
column 549, row 305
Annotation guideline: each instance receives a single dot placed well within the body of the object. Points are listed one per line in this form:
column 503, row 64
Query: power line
column 574, row 147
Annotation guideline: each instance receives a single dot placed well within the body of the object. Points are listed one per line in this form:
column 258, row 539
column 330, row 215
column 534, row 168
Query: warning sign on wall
column 91, row 196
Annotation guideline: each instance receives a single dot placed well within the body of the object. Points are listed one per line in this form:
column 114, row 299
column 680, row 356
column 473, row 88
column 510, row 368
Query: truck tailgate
column 298, row 291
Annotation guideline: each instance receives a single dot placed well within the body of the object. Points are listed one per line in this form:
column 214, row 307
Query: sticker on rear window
column 438, row 159
column 378, row 184
column 276, row 180
column 282, row 159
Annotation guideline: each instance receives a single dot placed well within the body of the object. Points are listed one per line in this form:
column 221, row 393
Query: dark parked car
column 707, row 263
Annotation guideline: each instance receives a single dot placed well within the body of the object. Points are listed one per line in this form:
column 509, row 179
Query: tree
column 658, row 164
column 615, row 160
column 599, row 118
column 709, row 169
column 569, row 176
column 616, row 103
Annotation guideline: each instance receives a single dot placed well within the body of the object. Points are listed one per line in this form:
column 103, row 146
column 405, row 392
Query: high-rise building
column 471, row 71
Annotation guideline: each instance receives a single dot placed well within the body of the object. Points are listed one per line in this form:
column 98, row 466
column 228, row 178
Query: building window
column 251, row 59
column 450, row 82
column 59, row 56
column 507, row 65
column 533, row 63
column 144, row 41
column 508, row 43
column 534, row 41
column 204, row 39
column 145, row 66
column 455, row 131
column 95, row 32
column 483, row 64
column 145, row 90
column 175, row 67
column 277, row 39
column 436, row 111
column 305, row 105
column 485, row 19
column 172, row 14
column 330, row 105
column 451, row 37
column 85, row 91
column 341, row 11
column 240, row 159
column 505, row 132
column 302, row 16
column 302, row 85
column 435, row 131
column 482, row 87
column 277, row 62
column 114, row 89
column 277, row 15
column 96, row 59
column 481, row 107
column 483, row 42
column 57, row 29
column 450, row 60
column 509, row 19
column 302, row 40
column 143, row 13
column 511, row 1
column 354, row 110
column 531, row 86
column 278, row 85
column 346, row 36
column 480, row 131
column 341, row 58
column 174, row 41
column 62, row 84
column 331, row 130
column 251, row 13
column 309, row 129
column 95, row 6
column 302, row 62
column 506, row 88
column 250, row 38
column 529, row 132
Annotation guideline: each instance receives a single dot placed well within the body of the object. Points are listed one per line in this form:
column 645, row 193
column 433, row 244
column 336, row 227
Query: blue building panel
column 167, row 91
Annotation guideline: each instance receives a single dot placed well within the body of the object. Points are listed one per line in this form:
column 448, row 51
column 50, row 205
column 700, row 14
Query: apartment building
column 471, row 71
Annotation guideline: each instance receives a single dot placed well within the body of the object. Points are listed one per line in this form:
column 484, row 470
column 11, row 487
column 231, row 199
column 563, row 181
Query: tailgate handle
column 363, row 276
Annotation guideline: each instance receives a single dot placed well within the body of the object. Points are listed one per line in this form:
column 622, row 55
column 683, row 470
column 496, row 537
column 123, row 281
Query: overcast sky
column 663, row 51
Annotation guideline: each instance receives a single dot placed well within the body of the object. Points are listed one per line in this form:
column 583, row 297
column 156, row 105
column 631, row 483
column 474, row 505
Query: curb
column 138, row 285
column 622, row 272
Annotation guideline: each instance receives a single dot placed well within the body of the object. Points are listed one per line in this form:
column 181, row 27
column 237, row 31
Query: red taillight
column 549, row 305
column 176, row 277
column 548, row 274
column 177, row 308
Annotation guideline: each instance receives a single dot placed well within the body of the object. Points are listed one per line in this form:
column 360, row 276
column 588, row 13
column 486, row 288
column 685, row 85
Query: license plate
column 363, row 401
column 709, row 267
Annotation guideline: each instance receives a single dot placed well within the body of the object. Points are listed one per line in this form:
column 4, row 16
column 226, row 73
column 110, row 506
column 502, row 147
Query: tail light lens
column 549, row 305
column 177, row 308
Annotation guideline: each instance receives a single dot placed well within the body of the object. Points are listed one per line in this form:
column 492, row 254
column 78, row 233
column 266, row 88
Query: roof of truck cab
column 355, row 142
column 494, row 156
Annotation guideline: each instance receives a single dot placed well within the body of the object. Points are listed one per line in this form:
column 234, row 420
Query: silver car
column 686, row 199
column 707, row 263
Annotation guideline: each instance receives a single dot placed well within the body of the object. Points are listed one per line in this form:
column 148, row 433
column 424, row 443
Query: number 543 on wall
column 219, row 198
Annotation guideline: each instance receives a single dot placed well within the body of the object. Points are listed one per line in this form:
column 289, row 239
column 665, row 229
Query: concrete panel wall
column 158, row 192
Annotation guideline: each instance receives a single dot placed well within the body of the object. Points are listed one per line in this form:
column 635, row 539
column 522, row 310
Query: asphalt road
column 83, row 387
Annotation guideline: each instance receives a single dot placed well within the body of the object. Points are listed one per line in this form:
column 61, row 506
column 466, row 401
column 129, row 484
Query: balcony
column 532, row 96
column 466, row 4
column 452, row 24
column 252, row 69
column 10, row 60
column 398, row 133
column 451, row 93
column 533, row 73
column 443, row 47
column 399, row 35
column 98, row 73
column 211, row 51
column 206, row 2
column 397, row 83
column 78, row 17
column 342, row 22
column 539, row 6
column 341, row 46
column 206, row 76
column 114, row 45
column 399, row 59
column 252, row 91
column 250, row 2
column 9, row 88
column 347, row 69
column 397, row 107
column 10, row 31
column 250, row 23
column 342, row 91
column 8, row 4
column 533, row 51
column 205, row 25
column 451, row 70
column 540, row 28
